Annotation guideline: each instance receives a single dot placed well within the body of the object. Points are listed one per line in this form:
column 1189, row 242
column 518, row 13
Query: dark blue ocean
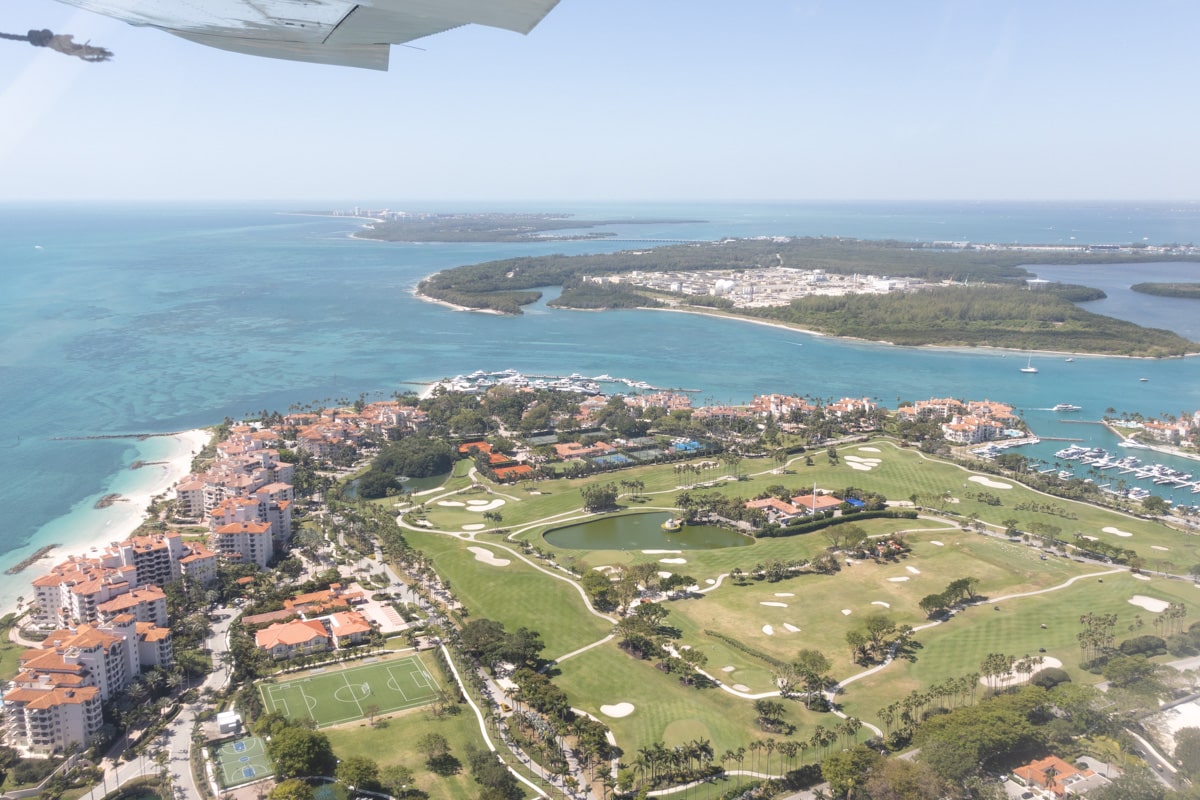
column 127, row 319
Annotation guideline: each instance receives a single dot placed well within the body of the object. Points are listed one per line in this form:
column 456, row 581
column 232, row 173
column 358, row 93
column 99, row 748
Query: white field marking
column 847, row 612
column 790, row 627
column 1149, row 603
column 881, row 603
column 785, row 594
column 772, row 603
column 988, row 482
column 899, row 580
column 1158, row 547
column 913, row 570
column 936, row 543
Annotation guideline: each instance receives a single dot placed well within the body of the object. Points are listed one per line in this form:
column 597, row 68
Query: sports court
column 242, row 761
column 334, row 696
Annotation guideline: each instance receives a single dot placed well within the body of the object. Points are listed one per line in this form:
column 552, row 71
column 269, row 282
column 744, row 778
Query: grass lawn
column 806, row 610
column 393, row 743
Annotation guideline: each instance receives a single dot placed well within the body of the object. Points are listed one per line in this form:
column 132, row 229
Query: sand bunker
column 913, row 570
column 899, row 580
column 785, row 594
column 791, row 628
column 484, row 506
column 478, row 502
column 988, row 482
column 847, row 612
column 1012, row 678
column 1116, row 531
column 728, row 669
column 881, row 603
column 768, row 630
column 936, row 543
column 619, row 710
column 1090, row 538
column 450, row 503
column 672, row 561
column 424, row 523
column 868, row 449
column 488, row 557
column 660, row 552
column 662, row 574
column 1149, row 603
column 1158, row 547
column 862, row 464
column 771, row 603
column 474, row 526
column 737, row 687
column 1139, row 576
column 710, row 580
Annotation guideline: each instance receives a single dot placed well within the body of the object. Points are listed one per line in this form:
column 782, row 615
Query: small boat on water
column 1143, row 380
column 673, row 524
column 1029, row 367
column 1067, row 407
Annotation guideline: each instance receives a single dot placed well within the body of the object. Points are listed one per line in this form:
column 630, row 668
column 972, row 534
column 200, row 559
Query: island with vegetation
column 490, row 227
column 1190, row 291
column 955, row 297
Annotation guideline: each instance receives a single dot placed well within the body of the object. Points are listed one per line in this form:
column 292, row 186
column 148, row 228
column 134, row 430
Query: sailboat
column 1029, row 367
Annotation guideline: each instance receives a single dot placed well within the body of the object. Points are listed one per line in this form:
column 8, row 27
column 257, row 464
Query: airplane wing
column 353, row 34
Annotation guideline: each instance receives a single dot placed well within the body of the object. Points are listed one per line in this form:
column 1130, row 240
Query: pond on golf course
column 641, row 532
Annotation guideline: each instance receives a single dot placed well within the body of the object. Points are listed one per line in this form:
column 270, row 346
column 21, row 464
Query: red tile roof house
column 814, row 503
column 777, row 511
column 1051, row 777
column 291, row 639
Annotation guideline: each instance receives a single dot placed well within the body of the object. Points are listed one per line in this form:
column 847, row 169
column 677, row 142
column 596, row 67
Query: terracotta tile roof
column 290, row 634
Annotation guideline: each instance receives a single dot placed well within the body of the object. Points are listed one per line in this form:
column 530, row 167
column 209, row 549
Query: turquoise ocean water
column 133, row 319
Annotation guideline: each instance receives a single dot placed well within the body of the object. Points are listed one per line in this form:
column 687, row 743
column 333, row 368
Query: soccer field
column 344, row 695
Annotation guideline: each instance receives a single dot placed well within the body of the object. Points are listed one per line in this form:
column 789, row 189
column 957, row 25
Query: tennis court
column 242, row 761
column 344, row 695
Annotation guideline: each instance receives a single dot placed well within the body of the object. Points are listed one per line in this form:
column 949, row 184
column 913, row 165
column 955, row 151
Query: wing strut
column 63, row 43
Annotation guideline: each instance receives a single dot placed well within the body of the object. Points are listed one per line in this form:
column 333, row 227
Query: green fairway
column 242, row 761
column 344, row 695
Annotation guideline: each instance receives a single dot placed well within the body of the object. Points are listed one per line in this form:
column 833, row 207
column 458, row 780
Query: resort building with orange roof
column 285, row 640
column 1053, row 778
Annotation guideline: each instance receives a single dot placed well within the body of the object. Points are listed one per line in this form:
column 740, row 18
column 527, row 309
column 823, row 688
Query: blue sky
column 630, row 100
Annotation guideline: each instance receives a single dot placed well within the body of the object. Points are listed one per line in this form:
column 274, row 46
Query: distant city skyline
column 628, row 101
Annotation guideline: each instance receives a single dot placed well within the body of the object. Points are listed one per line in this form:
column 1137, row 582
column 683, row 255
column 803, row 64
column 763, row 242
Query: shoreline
column 954, row 348
column 85, row 527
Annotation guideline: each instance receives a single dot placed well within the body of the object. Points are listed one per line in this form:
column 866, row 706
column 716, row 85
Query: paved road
column 177, row 736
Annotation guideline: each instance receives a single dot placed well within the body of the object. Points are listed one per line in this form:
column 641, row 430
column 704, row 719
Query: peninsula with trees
column 898, row 292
